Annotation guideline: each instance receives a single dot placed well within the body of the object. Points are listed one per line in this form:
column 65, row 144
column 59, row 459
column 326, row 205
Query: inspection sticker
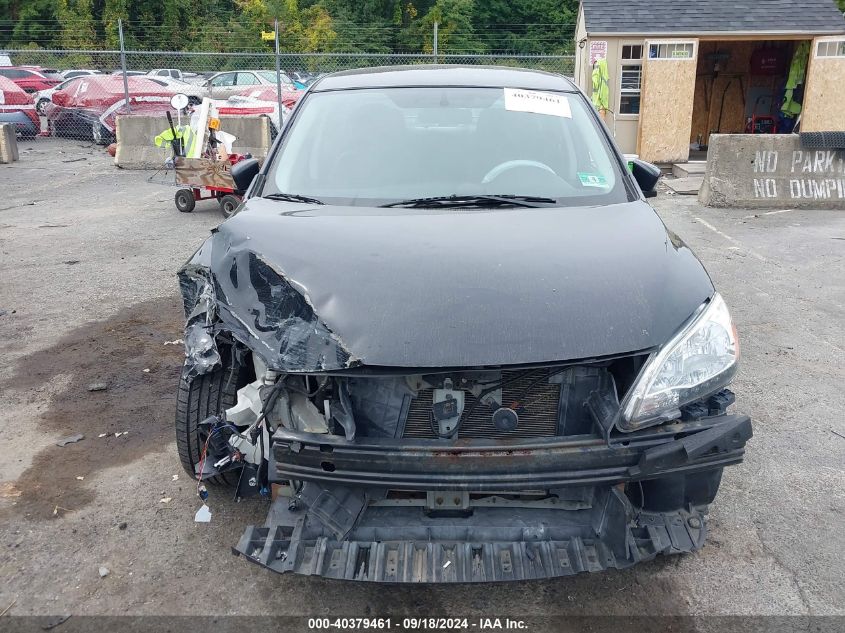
column 517, row 100
column 592, row 180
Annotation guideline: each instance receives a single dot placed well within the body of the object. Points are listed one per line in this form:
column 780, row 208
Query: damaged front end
column 440, row 474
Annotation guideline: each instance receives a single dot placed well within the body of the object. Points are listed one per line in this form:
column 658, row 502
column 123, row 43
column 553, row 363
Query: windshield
column 379, row 146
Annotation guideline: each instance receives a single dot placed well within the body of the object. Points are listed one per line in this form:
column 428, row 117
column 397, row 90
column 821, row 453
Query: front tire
column 100, row 134
column 204, row 396
column 185, row 201
column 228, row 204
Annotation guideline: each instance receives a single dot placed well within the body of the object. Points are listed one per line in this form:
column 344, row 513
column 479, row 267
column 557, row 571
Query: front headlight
column 701, row 359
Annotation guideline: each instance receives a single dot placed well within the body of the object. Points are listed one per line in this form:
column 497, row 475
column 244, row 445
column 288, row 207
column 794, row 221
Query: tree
column 455, row 31
column 77, row 29
column 527, row 26
column 34, row 22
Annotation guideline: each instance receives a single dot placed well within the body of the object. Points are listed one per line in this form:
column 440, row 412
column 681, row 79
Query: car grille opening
column 537, row 418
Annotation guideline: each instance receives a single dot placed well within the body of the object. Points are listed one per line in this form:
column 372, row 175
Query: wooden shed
column 681, row 70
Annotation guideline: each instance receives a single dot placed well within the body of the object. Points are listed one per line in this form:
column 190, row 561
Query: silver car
column 224, row 84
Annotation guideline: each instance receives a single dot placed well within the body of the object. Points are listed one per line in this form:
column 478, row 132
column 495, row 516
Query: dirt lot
column 88, row 294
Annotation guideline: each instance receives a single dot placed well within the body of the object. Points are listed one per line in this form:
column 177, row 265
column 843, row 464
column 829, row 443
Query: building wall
column 680, row 100
column 623, row 126
column 668, row 87
column 823, row 108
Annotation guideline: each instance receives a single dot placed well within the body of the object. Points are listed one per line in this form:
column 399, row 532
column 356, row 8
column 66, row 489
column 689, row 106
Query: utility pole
column 278, row 74
column 123, row 64
column 434, row 43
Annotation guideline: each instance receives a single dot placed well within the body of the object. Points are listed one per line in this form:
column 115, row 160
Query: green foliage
column 465, row 26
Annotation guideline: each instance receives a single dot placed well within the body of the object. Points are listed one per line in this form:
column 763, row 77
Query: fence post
column 278, row 74
column 123, row 65
column 434, row 42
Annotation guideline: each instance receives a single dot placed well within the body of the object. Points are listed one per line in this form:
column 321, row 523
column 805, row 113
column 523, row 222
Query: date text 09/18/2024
column 416, row 624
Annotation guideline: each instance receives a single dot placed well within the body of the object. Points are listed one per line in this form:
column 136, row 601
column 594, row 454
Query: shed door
column 668, row 89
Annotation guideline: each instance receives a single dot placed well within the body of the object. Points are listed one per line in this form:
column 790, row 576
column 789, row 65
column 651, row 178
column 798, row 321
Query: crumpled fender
column 226, row 287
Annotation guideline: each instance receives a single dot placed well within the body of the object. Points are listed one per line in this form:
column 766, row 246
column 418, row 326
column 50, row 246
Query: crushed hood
column 327, row 288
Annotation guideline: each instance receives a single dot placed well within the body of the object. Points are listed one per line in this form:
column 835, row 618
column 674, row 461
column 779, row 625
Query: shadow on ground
column 128, row 354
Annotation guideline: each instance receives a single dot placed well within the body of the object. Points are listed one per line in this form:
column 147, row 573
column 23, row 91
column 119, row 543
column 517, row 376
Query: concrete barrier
column 772, row 171
column 135, row 134
column 8, row 143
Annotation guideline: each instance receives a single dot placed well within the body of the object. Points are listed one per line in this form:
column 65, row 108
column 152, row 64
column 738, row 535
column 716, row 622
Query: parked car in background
column 43, row 97
column 268, row 93
column 261, row 100
column 175, row 73
column 130, row 73
column 16, row 106
column 232, row 82
column 194, row 92
column 32, row 78
column 303, row 79
column 70, row 74
column 87, row 106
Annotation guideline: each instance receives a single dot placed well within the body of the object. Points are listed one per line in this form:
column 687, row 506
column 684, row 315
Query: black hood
column 326, row 287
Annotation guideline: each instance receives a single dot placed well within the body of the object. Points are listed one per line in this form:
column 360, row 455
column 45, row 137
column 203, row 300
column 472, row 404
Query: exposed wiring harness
column 249, row 433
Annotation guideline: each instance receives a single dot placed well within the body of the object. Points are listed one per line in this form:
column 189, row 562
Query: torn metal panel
column 228, row 288
column 201, row 354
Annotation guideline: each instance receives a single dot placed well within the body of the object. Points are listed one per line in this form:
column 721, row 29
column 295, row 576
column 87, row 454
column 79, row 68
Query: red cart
column 207, row 179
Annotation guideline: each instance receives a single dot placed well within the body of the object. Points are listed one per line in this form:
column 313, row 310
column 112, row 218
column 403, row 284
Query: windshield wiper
column 480, row 201
column 292, row 197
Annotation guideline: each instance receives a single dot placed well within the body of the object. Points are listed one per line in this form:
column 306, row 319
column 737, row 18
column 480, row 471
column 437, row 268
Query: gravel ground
column 88, row 294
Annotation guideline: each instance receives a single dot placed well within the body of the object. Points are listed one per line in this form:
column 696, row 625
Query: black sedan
column 447, row 328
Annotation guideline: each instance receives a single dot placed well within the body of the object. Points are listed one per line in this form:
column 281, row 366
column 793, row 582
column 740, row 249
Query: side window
column 831, row 48
column 631, row 79
column 247, row 79
column 226, row 79
column 671, row 50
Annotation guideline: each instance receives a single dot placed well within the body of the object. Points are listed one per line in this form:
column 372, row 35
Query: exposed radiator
column 539, row 417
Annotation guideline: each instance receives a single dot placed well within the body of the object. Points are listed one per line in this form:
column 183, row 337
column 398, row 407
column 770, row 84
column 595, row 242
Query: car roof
column 441, row 75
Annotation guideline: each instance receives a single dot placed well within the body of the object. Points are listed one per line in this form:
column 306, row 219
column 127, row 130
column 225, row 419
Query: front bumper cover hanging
column 402, row 543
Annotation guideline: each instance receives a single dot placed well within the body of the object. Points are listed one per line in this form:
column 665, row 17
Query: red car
column 17, row 107
column 86, row 108
column 31, row 78
column 268, row 93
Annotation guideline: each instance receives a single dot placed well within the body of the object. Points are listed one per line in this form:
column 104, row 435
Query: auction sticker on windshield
column 517, row 100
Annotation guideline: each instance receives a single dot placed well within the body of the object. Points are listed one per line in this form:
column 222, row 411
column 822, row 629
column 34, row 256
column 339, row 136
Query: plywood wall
column 666, row 109
column 823, row 110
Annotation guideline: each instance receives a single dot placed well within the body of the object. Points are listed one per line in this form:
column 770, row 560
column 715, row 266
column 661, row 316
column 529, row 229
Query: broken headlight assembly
column 700, row 360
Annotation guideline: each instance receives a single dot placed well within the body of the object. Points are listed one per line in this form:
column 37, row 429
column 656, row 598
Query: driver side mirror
column 646, row 176
column 243, row 172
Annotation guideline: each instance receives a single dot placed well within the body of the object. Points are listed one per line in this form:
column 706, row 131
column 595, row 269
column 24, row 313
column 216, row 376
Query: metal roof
column 701, row 17
column 434, row 75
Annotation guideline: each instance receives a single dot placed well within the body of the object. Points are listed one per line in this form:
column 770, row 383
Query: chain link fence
column 78, row 93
